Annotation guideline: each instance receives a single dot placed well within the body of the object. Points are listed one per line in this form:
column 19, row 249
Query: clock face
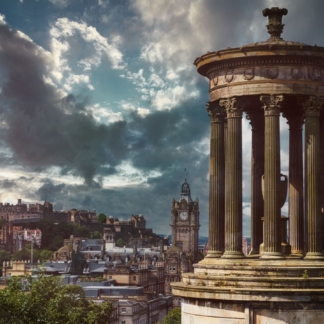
column 183, row 215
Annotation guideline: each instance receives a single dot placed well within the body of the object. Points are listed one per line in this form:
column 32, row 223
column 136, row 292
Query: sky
column 102, row 108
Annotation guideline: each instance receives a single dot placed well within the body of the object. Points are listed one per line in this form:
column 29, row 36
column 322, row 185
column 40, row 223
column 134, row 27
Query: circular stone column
column 272, row 216
column 233, row 179
column 296, row 225
column 216, row 181
column 312, row 108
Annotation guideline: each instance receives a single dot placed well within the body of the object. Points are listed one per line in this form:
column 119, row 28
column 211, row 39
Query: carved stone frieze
column 296, row 72
column 229, row 76
column 215, row 112
column 273, row 72
column 253, row 61
column 312, row 106
column 315, row 74
column 233, row 106
column 248, row 73
column 215, row 80
column 271, row 104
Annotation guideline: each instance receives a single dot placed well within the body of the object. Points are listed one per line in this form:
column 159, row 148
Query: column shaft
column 322, row 166
column 272, row 215
column 312, row 107
column 296, row 215
column 217, row 181
column 257, row 170
column 233, row 179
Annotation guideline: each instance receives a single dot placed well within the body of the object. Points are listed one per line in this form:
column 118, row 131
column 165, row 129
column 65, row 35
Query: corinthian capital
column 215, row 111
column 271, row 104
column 312, row 106
column 233, row 107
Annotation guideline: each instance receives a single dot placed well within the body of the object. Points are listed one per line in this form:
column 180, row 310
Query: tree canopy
column 173, row 317
column 48, row 300
column 120, row 242
column 102, row 218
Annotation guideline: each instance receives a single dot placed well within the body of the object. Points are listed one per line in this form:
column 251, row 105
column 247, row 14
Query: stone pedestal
column 252, row 291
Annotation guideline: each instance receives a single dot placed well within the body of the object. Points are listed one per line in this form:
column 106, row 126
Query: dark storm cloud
column 167, row 139
column 8, row 184
column 43, row 130
column 50, row 192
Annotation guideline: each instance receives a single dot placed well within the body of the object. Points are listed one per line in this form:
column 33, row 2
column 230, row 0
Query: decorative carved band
column 233, row 106
column 229, row 75
column 249, row 73
column 272, row 104
column 215, row 111
column 315, row 64
column 296, row 72
column 312, row 106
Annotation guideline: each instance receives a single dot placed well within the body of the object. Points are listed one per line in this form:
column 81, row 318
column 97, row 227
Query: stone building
column 280, row 281
column 185, row 233
column 185, row 222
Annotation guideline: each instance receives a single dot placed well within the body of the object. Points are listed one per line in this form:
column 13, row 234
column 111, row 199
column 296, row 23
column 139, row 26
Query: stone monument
column 274, row 284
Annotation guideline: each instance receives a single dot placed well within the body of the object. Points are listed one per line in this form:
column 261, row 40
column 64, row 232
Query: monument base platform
column 250, row 291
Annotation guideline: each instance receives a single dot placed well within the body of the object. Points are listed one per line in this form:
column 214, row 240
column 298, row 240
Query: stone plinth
column 253, row 291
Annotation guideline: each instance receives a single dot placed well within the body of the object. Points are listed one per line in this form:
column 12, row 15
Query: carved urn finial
column 275, row 25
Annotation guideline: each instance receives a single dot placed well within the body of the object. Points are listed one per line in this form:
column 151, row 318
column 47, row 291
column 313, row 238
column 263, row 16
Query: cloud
column 49, row 192
column 44, row 130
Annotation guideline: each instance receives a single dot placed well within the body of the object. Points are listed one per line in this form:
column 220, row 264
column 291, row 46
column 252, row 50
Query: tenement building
column 280, row 281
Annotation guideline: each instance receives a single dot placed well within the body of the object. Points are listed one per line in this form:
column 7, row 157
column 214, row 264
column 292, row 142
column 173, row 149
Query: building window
column 123, row 322
column 123, row 310
column 110, row 277
column 134, row 278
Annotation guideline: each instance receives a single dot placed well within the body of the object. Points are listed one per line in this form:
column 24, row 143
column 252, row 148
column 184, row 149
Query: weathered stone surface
column 287, row 288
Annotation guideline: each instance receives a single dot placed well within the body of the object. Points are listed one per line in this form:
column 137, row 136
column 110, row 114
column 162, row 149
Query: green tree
column 49, row 301
column 120, row 242
column 81, row 231
column 102, row 218
column 98, row 313
column 173, row 317
column 25, row 254
column 96, row 235
column 46, row 255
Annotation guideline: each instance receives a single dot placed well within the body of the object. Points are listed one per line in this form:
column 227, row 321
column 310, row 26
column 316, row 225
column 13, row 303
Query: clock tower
column 185, row 222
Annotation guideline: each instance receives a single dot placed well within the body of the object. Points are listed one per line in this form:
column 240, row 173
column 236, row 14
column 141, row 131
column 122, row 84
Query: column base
column 214, row 254
column 254, row 252
column 233, row 255
column 314, row 256
column 272, row 255
column 297, row 254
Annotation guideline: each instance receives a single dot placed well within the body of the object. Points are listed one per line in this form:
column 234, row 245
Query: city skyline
column 102, row 107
